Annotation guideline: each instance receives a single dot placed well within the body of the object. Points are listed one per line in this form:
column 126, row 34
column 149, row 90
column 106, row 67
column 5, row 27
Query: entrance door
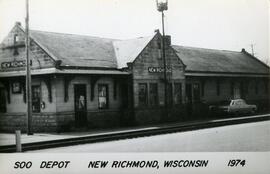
column 80, row 104
column 2, row 100
column 36, row 98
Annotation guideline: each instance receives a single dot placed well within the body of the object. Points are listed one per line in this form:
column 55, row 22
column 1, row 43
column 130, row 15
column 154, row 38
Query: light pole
column 28, row 74
column 161, row 7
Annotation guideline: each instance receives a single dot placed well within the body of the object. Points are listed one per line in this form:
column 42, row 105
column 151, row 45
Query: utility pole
column 161, row 7
column 28, row 74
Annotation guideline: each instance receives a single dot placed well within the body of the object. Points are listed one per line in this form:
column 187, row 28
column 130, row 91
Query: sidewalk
column 9, row 138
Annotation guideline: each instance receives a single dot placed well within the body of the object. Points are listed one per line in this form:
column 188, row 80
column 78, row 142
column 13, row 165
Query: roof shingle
column 221, row 61
column 87, row 51
column 77, row 50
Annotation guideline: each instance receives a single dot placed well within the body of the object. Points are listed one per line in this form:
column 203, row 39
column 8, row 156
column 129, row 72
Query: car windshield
column 242, row 102
column 225, row 102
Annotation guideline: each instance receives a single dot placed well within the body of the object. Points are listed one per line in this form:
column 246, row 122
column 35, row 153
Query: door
column 2, row 100
column 36, row 99
column 196, row 93
column 80, row 105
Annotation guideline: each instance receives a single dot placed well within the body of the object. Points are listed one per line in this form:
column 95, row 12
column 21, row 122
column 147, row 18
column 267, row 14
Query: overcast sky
column 216, row 24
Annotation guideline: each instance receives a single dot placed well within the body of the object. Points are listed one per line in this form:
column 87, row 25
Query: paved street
column 243, row 137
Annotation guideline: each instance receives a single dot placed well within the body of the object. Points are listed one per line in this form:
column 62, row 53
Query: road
column 241, row 138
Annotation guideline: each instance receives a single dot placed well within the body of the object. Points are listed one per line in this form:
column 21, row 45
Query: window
column 218, row 88
column 246, row 87
column 159, row 44
column 36, row 98
column 170, row 94
column 159, row 56
column 256, row 87
column 2, row 100
column 103, row 98
column 153, row 94
column 178, row 93
column 243, row 89
column 16, row 87
column 202, row 87
column 142, row 94
column 159, row 47
column 16, row 39
column 266, row 87
column 115, row 89
column 196, row 92
column 232, row 89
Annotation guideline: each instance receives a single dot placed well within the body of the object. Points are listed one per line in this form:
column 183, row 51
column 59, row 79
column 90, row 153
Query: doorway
column 36, row 98
column 80, row 105
column 3, row 107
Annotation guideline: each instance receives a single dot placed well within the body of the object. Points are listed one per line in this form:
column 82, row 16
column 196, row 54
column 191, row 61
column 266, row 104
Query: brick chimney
column 18, row 23
column 167, row 40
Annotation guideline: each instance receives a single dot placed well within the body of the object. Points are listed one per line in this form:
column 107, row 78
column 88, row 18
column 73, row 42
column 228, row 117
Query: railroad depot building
column 87, row 81
column 215, row 76
column 83, row 81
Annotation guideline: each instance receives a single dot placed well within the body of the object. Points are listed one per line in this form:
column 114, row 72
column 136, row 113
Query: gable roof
column 77, row 50
column 95, row 52
column 128, row 50
column 219, row 61
column 88, row 51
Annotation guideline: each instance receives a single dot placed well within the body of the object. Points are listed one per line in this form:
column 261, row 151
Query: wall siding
column 210, row 90
column 149, row 57
column 40, row 59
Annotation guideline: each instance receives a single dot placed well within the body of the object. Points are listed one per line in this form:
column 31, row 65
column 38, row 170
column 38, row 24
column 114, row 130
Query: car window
column 238, row 102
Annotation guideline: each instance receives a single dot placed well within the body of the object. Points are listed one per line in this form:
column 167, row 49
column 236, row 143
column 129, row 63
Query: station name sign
column 13, row 64
column 159, row 69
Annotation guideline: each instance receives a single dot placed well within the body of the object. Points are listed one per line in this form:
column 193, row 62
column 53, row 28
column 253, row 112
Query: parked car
column 236, row 106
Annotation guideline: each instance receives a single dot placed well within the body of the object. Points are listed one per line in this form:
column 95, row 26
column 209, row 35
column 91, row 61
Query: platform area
column 9, row 138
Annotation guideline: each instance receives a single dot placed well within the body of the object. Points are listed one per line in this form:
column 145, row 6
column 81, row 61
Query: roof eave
column 225, row 74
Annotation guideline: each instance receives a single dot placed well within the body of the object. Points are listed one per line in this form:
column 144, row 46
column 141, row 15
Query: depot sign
column 13, row 64
column 159, row 69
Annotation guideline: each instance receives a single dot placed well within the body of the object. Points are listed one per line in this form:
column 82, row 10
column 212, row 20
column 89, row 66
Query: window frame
column 180, row 92
column 256, row 88
column 145, row 103
column 40, row 99
column 266, row 87
column 14, row 90
column 106, row 97
column 218, row 87
column 196, row 98
column 156, row 96
column 15, row 42
column 3, row 100
column 170, row 94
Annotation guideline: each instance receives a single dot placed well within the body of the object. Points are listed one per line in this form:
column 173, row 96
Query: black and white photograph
column 167, row 86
